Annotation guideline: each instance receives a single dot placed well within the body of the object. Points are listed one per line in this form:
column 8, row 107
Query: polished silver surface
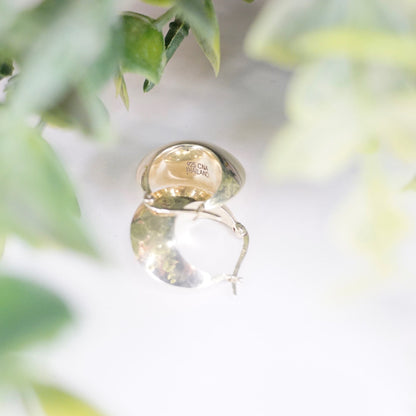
column 185, row 178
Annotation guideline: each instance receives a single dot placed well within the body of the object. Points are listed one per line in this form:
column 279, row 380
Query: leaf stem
column 165, row 18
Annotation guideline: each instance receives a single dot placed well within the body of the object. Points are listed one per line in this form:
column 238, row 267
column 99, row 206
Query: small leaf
column 56, row 402
column 201, row 16
column 178, row 30
column 6, row 68
column 143, row 51
column 121, row 89
column 28, row 313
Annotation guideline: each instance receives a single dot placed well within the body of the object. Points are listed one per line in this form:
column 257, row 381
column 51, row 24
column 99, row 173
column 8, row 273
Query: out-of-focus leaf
column 373, row 219
column 28, row 313
column 143, row 51
column 313, row 147
column 322, row 88
column 56, row 402
column 8, row 13
column 81, row 110
column 178, row 30
column 201, row 16
column 28, row 25
column 121, row 89
column 311, row 153
column 107, row 64
column 161, row 3
column 339, row 109
column 37, row 201
column 6, row 68
column 50, row 69
column 289, row 33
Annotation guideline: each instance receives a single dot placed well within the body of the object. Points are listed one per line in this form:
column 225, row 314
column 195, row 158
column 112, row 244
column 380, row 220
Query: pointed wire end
column 234, row 280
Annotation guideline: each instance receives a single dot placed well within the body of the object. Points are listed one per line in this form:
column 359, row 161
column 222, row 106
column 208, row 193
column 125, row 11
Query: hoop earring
column 184, row 178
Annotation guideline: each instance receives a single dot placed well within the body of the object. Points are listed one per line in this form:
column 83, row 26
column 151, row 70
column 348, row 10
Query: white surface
column 295, row 342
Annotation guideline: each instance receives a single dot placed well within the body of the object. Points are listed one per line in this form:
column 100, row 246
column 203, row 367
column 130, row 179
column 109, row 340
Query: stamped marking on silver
column 196, row 168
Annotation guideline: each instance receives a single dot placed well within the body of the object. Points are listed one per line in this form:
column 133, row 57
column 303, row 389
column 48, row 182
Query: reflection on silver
column 186, row 178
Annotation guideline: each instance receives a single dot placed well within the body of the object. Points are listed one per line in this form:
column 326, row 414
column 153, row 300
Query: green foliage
column 37, row 201
column 178, row 30
column 289, row 34
column 143, row 50
column 372, row 218
column 56, row 402
column 28, row 313
column 79, row 110
column 197, row 15
column 161, row 3
column 66, row 52
column 84, row 29
column 351, row 100
column 201, row 17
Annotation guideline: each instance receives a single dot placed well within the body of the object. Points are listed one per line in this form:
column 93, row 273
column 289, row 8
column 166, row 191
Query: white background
column 308, row 333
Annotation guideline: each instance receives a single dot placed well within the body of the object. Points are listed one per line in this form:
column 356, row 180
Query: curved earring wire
column 223, row 215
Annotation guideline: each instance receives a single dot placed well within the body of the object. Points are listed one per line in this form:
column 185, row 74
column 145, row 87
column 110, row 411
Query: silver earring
column 185, row 178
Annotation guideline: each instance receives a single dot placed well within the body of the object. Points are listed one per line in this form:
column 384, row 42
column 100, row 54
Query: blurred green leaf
column 6, row 68
column 28, row 313
column 161, row 3
column 289, row 33
column 37, row 201
column 178, row 30
column 121, row 89
column 326, row 88
column 144, row 50
column 311, row 152
column 373, row 220
column 8, row 12
column 106, row 65
column 83, row 29
column 80, row 110
column 201, row 16
column 28, row 25
column 321, row 98
column 374, row 105
column 56, row 402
